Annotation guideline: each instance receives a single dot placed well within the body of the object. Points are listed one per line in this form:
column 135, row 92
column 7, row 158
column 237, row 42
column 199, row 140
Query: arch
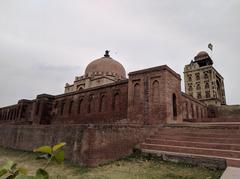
column 190, row 77
column 205, row 76
column 197, row 75
column 70, row 107
column 136, row 93
column 198, row 87
column 155, row 91
column 187, row 110
column 3, row 115
column 206, row 85
column 56, row 105
column 174, row 104
column 197, row 112
column 90, row 104
column 6, row 114
column 10, row 114
column 14, row 113
column 116, row 102
column 190, row 88
column 80, row 106
column 18, row 111
column 62, row 108
column 102, row 105
column 37, row 107
column 192, row 108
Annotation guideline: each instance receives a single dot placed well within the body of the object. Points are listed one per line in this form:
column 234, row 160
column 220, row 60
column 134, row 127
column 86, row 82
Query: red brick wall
column 193, row 110
column 150, row 96
column 86, row 145
column 106, row 104
column 18, row 113
column 173, row 88
column 224, row 111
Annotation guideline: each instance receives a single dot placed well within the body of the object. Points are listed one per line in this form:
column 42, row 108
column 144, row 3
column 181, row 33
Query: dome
column 201, row 55
column 106, row 65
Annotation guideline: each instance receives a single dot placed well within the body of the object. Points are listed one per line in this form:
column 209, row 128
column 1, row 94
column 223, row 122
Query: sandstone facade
column 203, row 82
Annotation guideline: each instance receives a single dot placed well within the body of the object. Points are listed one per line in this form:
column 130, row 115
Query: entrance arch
column 174, row 106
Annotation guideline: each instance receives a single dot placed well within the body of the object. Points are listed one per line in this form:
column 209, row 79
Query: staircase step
column 198, row 134
column 193, row 150
column 193, row 144
column 196, row 130
column 206, row 125
column 220, row 120
column 221, row 140
column 233, row 162
column 199, row 139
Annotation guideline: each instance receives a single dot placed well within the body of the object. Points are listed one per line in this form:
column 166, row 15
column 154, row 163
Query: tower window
column 207, row 94
column 199, row 96
column 198, row 87
column 205, row 76
column 206, row 85
column 190, row 77
column 214, row 94
column 197, row 75
column 190, row 88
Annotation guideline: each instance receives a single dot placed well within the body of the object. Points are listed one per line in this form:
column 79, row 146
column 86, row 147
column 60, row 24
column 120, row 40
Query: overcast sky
column 46, row 43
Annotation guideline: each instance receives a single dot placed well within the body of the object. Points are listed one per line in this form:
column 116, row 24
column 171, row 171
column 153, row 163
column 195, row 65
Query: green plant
column 10, row 170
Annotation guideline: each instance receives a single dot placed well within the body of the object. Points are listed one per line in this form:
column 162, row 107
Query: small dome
column 106, row 65
column 201, row 55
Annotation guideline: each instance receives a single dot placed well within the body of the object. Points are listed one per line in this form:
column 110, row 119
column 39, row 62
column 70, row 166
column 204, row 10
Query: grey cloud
column 44, row 44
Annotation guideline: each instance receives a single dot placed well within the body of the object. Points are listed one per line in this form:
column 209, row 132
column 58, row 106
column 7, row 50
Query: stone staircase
column 235, row 119
column 211, row 140
column 218, row 119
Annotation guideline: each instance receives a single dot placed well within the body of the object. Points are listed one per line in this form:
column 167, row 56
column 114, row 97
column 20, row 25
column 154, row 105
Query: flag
column 210, row 46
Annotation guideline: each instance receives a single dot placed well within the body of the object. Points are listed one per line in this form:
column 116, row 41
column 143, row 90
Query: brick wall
column 193, row 110
column 86, row 145
column 224, row 111
column 150, row 96
column 105, row 104
column 19, row 113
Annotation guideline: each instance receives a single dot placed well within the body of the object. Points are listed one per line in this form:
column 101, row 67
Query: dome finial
column 106, row 53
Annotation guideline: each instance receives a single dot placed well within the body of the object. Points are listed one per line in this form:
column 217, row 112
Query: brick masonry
column 86, row 144
column 101, row 123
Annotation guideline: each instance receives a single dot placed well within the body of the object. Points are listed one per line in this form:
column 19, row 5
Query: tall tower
column 202, row 81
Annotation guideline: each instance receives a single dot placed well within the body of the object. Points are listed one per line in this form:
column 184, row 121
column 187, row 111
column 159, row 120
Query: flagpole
column 210, row 46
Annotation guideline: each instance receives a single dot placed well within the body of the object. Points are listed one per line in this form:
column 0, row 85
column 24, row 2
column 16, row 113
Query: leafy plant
column 10, row 170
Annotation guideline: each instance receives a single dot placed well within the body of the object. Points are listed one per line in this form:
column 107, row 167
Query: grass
column 136, row 167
